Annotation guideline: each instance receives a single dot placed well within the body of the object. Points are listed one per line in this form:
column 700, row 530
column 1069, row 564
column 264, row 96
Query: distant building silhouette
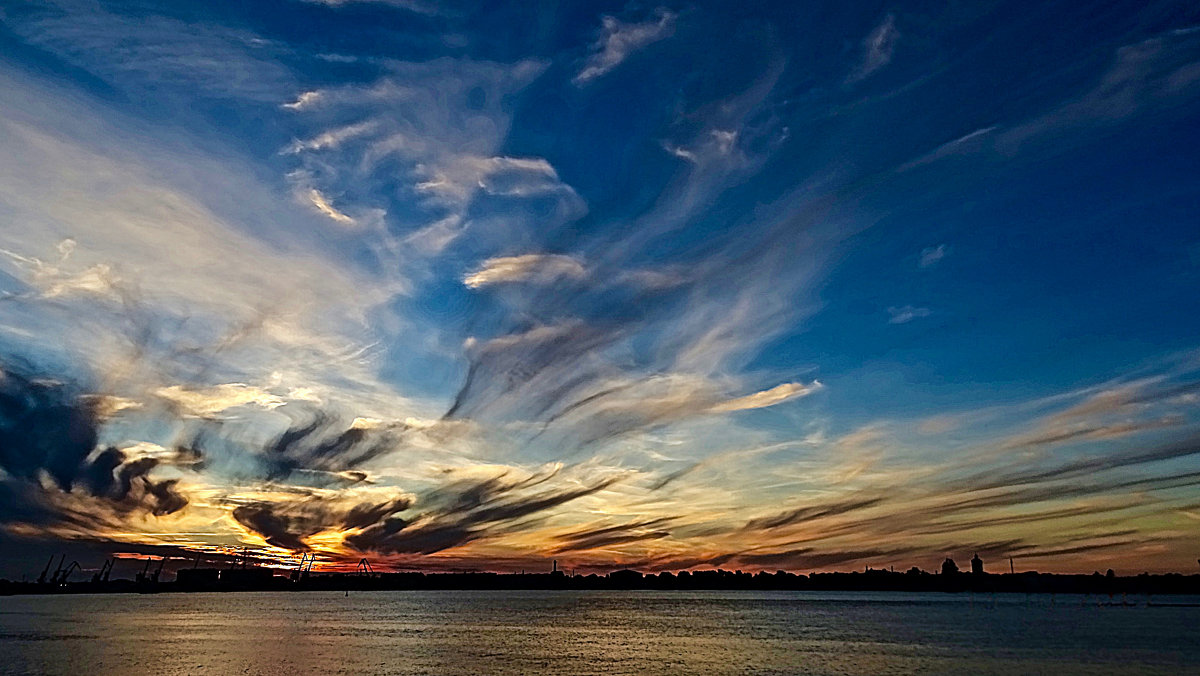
column 197, row 577
column 240, row 576
column 625, row 576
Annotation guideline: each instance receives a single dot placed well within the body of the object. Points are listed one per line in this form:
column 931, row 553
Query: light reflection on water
column 521, row 632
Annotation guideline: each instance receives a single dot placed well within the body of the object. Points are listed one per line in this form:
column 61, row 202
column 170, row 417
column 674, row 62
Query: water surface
column 522, row 632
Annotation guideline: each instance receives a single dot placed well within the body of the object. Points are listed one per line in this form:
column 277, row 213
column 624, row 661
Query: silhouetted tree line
column 914, row 580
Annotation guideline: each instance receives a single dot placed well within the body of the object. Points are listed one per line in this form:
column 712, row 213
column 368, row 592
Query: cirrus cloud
column 541, row 268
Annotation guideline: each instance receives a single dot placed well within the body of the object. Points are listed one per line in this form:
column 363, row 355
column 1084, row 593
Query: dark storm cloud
column 287, row 523
column 557, row 375
column 462, row 496
column 596, row 538
column 320, row 444
column 814, row 557
column 365, row 514
column 611, row 540
column 1039, row 485
column 818, row 557
column 465, row 512
column 397, row 536
column 955, row 514
column 684, row 563
column 674, row 476
column 1035, row 517
column 1130, row 457
column 1166, row 392
column 1095, row 432
column 319, row 451
column 809, row 513
column 49, row 428
column 45, row 427
column 661, row 563
column 276, row 529
column 506, row 365
column 807, row 557
column 1079, row 549
column 520, row 507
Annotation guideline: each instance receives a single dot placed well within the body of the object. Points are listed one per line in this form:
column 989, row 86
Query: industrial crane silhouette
column 104, row 572
column 146, row 577
column 60, row 577
column 301, row 570
column 46, row 571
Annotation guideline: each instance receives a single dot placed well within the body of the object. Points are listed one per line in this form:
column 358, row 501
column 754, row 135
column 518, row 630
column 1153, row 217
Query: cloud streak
column 877, row 49
column 469, row 511
column 618, row 40
column 906, row 313
column 540, row 268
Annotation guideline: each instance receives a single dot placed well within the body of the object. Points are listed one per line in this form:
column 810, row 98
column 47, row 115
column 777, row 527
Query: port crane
column 146, row 576
column 142, row 576
column 60, row 576
column 104, row 572
column 46, row 571
column 302, row 570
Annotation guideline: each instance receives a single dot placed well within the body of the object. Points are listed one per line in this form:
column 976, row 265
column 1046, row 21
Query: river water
column 572, row 632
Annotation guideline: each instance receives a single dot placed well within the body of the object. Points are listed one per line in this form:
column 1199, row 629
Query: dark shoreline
column 263, row 579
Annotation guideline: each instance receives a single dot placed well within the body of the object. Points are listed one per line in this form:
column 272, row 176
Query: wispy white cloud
column 964, row 144
column 931, row 256
column 516, row 176
column 907, row 313
column 209, row 401
column 877, row 49
column 541, row 268
column 145, row 52
column 418, row 6
column 331, row 139
column 771, row 397
column 1144, row 74
column 1152, row 73
column 578, row 383
column 420, row 137
column 137, row 251
column 304, row 100
column 718, row 146
column 619, row 39
column 322, row 204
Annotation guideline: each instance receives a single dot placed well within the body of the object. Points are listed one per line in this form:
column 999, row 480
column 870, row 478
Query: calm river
column 573, row 632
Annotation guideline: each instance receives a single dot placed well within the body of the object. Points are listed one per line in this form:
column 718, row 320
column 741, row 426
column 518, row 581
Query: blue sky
column 683, row 284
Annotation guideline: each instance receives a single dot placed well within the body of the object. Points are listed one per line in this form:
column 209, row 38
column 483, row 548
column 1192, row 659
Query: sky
column 477, row 286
